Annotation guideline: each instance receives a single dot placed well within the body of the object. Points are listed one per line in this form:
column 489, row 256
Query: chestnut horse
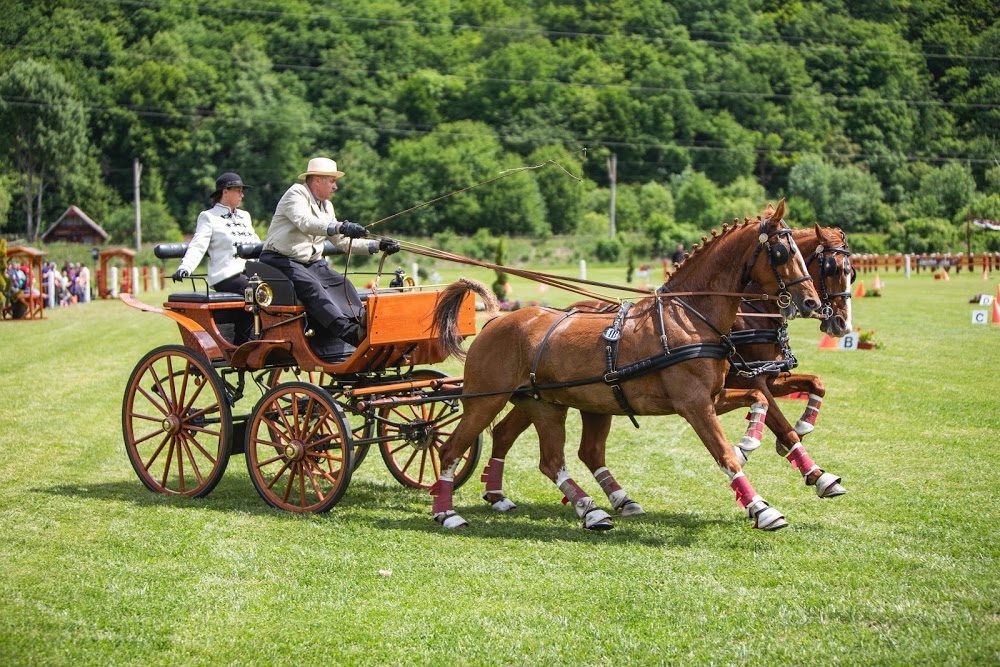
column 762, row 361
column 665, row 356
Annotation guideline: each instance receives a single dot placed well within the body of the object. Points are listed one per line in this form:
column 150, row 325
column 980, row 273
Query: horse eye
column 830, row 266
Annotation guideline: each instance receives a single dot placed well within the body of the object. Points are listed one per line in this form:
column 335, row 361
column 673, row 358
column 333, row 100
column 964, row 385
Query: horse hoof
column 597, row 519
column 450, row 519
column 803, row 428
column 828, row 486
column 770, row 519
column 505, row 504
column 630, row 508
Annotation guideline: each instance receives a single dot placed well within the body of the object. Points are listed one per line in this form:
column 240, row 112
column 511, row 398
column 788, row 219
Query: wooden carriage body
column 320, row 412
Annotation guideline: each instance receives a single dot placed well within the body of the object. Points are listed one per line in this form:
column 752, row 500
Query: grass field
column 903, row 570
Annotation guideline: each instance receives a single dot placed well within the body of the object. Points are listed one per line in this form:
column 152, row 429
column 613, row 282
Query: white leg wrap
column 765, row 517
column 804, row 428
column 505, row 504
column 625, row 505
column 450, row 520
column 828, row 486
column 593, row 517
column 740, row 455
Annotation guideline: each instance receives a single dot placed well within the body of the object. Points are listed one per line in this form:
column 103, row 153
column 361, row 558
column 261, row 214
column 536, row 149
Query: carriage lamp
column 95, row 253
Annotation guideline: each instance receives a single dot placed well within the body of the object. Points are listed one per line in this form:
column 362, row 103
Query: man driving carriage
column 303, row 220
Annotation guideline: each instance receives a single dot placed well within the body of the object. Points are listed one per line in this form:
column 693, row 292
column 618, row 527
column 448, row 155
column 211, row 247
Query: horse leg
column 812, row 385
column 504, row 434
column 789, row 445
column 478, row 414
column 593, row 445
column 757, row 399
column 550, row 422
column 703, row 418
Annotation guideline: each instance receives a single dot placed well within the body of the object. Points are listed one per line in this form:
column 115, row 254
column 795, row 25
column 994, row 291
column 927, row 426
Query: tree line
column 880, row 117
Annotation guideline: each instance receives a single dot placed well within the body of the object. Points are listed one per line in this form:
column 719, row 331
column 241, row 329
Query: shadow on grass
column 393, row 507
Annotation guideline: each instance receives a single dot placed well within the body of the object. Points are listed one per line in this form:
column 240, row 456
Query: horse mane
column 706, row 241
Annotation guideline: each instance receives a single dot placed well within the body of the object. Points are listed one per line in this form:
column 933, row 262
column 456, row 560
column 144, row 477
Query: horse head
column 828, row 259
column 777, row 265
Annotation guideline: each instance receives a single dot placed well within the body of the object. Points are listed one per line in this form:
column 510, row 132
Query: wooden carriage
column 323, row 403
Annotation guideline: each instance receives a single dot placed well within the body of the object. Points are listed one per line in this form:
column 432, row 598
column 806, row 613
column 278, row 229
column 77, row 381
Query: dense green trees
column 882, row 118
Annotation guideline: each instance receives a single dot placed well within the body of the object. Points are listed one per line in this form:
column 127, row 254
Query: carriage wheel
column 299, row 448
column 361, row 427
column 418, row 432
column 177, row 422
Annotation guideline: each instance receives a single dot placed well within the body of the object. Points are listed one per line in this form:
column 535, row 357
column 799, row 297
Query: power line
column 820, row 96
column 753, row 43
column 153, row 112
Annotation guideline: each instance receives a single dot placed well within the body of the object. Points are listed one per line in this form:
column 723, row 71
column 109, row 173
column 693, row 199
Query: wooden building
column 75, row 226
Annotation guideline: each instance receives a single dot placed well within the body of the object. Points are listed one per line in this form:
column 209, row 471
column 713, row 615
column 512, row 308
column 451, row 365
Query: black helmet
column 228, row 180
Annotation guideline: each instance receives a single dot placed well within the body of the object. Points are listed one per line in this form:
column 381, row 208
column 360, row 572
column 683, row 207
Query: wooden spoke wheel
column 361, row 427
column 418, row 432
column 299, row 448
column 177, row 422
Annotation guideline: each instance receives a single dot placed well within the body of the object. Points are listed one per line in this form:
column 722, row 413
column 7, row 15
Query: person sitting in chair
column 218, row 232
column 303, row 220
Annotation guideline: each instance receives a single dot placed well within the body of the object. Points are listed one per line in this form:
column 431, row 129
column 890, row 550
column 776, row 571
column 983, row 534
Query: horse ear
column 768, row 212
column 779, row 212
column 819, row 232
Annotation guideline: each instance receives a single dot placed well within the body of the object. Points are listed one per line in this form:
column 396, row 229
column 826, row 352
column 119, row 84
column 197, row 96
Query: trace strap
column 613, row 335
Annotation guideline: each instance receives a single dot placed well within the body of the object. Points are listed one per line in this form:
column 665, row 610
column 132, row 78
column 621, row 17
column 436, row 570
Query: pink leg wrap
column 441, row 490
column 800, row 460
column 812, row 409
column 571, row 491
column 756, row 418
column 744, row 492
column 607, row 481
column 493, row 476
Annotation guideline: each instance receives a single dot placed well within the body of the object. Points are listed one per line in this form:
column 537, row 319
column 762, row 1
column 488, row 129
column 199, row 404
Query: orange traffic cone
column 944, row 274
column 830, row 343
column 996, row 312
column 876, row 284
column 861, row 289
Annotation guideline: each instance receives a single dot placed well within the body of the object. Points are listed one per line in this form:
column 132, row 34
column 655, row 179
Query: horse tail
column 447, row 309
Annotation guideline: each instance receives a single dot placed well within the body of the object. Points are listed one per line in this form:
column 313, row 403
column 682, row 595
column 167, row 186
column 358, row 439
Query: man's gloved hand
column 352, row 230
column 180, row 274
column 389, row 246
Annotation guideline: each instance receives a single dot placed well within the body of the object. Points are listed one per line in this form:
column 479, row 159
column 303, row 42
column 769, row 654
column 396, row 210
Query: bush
column 607, row 250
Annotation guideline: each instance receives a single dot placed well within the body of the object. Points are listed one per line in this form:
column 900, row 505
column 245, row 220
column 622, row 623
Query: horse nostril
column 811, row 304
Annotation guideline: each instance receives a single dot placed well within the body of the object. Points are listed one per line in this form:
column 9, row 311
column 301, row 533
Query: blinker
column 779, row 254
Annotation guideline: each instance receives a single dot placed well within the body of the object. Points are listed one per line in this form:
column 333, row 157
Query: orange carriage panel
column 409, row 317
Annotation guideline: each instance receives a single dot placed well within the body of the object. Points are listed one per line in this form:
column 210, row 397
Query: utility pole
column 613, row 179
column 968, row 234
column 136, row 173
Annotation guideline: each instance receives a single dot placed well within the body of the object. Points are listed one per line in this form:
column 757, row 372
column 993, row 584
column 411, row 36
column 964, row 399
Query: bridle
column 777, row 254
column 830, row 268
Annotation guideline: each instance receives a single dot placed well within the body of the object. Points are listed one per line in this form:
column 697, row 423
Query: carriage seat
column 207, row 297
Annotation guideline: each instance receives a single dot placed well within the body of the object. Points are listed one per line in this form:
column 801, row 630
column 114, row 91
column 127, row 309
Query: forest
column 881, row 117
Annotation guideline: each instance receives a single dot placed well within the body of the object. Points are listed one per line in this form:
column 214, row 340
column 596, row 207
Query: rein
column 568, row 284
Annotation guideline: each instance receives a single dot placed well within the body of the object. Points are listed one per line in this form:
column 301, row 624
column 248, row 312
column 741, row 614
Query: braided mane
column 706, row 241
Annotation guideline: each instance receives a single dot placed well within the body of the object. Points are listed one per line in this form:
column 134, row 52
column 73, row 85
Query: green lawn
column 902, row 570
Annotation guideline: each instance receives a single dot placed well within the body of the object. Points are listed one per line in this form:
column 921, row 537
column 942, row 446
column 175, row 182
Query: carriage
column 323, row 404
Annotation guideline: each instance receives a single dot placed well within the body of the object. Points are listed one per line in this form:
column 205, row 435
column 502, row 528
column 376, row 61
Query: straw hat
column 321, row 166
